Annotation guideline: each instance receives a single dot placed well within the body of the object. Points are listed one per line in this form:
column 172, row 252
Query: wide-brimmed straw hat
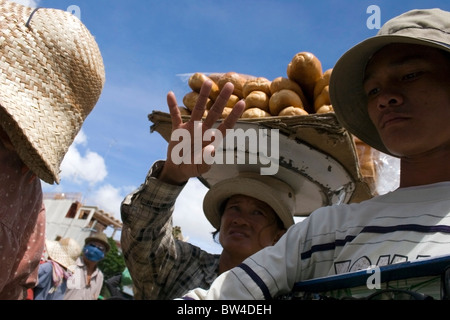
column 428, row 27
column 65, row 252
column 274, row 192
column 100, row 237
column 51, row 77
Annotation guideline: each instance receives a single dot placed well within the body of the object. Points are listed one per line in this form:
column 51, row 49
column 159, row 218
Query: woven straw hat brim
column 421, row 27
column 52, row 75
column 274, row 192
column 66, row 255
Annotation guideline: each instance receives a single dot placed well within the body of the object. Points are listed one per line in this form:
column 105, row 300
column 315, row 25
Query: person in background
column 86, row 282
column 249, row 212
column 118, row 287
column 51, row 76
column 393, row 92
column 53, row 273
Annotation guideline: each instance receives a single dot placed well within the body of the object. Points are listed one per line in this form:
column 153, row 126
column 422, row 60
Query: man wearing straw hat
column 249, row 212
column 86, row 282
column 393, row 92
column 51, row 76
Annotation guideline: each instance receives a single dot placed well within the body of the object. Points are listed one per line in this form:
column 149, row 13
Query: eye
column 372, row 92
column 258, row 213
column 233, row 207
column 412, row 75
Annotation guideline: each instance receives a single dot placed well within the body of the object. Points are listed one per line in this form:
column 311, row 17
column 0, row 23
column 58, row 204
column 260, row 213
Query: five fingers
column 214, row 114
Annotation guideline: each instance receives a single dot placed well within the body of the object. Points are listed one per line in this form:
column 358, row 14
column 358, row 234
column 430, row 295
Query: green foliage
column 114, row 262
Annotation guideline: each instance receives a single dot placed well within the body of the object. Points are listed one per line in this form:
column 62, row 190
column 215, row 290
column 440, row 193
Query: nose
column 239, row 220
column 389, row 98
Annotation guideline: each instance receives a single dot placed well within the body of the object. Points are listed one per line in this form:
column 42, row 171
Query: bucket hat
column 101, row 237
column 276, row 193
column 51, row 77
column 427, row 27
column 65, row 252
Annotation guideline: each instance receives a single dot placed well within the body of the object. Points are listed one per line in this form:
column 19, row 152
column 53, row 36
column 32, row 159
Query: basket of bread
column 299, row 106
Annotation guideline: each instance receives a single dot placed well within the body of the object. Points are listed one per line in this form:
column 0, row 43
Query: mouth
column 391, row 119
column 237, row 233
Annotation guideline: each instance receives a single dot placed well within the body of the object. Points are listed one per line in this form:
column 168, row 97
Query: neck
column 228, row 261
column 90, row 265
column 427, row 169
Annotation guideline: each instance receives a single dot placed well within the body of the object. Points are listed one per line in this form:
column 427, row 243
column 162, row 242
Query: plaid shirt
column 162, row 267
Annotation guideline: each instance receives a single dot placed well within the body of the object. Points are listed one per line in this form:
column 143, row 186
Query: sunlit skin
column 247, row 226
column 408, row 90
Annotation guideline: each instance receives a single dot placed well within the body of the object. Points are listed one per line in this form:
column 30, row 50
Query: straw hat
column 100, row 237
column 276, row 193
column 51, row 77
column 65, row 252
column 428, row 27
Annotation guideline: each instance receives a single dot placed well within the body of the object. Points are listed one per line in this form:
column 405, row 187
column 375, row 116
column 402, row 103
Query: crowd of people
column 391, row 91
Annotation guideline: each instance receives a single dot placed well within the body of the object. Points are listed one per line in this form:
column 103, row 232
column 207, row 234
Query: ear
column 279, row 234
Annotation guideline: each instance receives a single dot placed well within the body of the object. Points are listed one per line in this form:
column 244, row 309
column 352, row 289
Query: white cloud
column 78, row 168
column 107, row 198
column 189, row 216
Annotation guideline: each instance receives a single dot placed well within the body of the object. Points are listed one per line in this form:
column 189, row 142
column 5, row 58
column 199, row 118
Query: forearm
column 147, row 239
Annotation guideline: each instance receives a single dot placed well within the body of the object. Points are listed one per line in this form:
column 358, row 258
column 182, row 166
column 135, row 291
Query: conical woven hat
column 51, row 77
column 65, row 252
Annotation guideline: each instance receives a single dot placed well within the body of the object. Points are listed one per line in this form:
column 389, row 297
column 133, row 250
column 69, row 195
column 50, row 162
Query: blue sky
column 150, row 46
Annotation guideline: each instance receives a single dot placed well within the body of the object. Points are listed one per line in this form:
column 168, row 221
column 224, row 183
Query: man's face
column 248, row 225
column 408, row 90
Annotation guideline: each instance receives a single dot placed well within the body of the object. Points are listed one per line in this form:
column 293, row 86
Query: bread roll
column 305, row 69
column 256, row 84
column 232, row 101
column 236, row 79
column 323, row 98
column 226, row 111
column 184, row 111
column 257, row 99
column 292, row 111
column 325, row 109
column 190, row 99
column 255, row 113
column 283, row 99
column 322, row 82
column 196, row 81
column 281, row 83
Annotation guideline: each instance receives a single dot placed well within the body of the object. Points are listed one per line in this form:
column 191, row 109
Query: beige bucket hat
column 51, row 77
column 65, row 251
column 100, row 237
column 428, row 27
column 276, row 193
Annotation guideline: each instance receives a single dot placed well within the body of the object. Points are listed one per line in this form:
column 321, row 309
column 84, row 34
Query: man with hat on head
column 393, row 92
column 86, row 282
column 51, row 76
column 248, row 211
column 53, row 274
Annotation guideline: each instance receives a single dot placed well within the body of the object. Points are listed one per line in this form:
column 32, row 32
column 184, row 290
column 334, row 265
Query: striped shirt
column 403, row 225
column 161, row 266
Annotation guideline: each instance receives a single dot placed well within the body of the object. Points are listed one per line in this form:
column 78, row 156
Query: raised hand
column 193, row 165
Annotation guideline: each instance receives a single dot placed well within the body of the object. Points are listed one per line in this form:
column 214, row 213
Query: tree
column 114, row 262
